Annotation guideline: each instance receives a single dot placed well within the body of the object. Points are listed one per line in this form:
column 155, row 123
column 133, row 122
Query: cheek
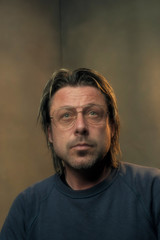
column 59, row 139
column 105, row 136
column 104, row 131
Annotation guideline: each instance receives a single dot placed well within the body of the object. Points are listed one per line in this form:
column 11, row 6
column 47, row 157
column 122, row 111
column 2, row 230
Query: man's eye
column 66, row 115
column 93, row 113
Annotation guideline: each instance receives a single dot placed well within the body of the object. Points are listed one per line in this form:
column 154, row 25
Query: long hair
column 80, row 77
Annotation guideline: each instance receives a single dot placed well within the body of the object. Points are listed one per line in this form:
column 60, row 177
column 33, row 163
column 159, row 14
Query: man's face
column 82, row 144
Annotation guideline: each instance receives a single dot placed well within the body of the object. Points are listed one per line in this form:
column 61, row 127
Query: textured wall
column 29, row 52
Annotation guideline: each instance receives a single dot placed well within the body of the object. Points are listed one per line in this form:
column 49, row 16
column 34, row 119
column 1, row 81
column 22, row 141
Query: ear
column 50, row 135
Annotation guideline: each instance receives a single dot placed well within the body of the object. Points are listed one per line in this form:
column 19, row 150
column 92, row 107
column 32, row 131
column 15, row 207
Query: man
column 92, row 195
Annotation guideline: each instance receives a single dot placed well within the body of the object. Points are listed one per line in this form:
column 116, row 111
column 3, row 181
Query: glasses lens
column 94, row 114
column 65, row 116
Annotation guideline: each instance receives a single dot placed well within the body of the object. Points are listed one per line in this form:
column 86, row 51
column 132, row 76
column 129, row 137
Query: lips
column 81, row 146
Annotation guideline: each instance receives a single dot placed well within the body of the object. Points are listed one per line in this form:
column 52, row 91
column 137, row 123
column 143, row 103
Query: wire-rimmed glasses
column 65, row 117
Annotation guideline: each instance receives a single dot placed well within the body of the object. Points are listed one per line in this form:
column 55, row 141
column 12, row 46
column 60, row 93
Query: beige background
column 120, row 39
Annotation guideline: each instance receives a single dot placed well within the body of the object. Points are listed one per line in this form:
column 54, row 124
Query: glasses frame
column 83, row 107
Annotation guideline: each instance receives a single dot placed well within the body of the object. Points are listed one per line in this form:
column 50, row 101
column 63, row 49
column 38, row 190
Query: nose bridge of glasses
column 80, row 116
column 80, row 111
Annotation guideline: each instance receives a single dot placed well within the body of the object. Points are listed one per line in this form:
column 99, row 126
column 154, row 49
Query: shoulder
column 30, row 199
column 25, row 208
column 138, row 171
column 39, row 190
column 141, row 178
column 144, row 183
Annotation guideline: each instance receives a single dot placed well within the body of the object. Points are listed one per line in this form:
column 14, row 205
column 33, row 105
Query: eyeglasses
column 65, row 117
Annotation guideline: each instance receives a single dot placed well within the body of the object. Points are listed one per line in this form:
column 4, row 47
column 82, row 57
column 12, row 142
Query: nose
column 80, row 125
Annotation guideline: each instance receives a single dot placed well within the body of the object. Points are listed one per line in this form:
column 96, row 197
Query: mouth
column 82, row 146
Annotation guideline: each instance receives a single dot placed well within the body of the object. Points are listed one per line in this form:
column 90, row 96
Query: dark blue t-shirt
column 125, row 206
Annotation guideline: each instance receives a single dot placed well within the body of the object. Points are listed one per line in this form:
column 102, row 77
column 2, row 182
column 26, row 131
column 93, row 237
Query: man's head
column 91, row 131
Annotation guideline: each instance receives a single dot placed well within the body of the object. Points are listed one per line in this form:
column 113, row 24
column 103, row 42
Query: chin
column 82, row 164
column 83, row 160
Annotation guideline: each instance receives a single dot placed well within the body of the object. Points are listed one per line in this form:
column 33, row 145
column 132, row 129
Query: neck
column 81, row 179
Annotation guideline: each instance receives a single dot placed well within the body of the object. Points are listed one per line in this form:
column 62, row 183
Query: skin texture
column 82, row 147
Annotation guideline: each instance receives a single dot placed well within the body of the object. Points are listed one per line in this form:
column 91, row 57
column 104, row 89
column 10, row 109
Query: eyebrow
column 70, row 106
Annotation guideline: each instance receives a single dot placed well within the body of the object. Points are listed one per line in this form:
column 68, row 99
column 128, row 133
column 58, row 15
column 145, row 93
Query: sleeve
column 14, row 225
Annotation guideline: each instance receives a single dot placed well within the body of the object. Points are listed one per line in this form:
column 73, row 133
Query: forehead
column 77, row 96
